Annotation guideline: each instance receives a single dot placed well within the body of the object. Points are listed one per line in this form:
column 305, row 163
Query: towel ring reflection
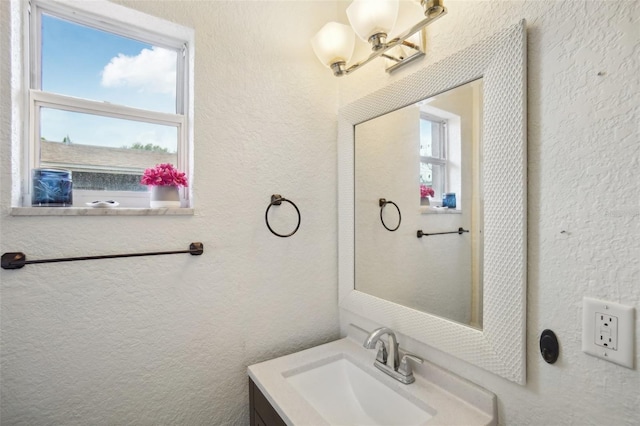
column 382, row 202
column 276, row 200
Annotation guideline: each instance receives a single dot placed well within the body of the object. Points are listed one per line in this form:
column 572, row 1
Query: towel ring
column 382, row 202
column 276, row 200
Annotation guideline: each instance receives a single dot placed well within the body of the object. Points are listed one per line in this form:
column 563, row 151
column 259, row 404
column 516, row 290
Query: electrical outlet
column 608, row 331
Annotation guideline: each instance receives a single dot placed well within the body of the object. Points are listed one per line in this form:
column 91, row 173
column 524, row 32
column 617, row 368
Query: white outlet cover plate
column 623, row 354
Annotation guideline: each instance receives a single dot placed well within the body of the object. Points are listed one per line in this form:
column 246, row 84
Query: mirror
column 414, row 156
column 499, row 347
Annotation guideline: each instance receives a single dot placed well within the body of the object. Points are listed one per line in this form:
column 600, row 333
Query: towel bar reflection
column 460, row 231
column 18, row 260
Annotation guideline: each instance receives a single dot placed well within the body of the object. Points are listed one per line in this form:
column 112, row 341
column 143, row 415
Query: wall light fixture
column 375, row 21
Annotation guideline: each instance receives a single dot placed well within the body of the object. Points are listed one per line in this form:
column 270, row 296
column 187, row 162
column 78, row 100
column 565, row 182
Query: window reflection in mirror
column 445, row 120
column 433, row 158
column 422, row 157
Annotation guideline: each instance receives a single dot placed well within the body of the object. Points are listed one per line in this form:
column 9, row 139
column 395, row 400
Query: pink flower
column 426, row 191
column 164, row 175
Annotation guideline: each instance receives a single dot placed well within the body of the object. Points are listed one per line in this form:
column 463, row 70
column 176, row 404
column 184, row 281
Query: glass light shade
column 334, row 43
column 370, row 17
column 409, row 14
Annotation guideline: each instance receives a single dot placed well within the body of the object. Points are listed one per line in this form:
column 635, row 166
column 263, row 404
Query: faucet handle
column 382, row 353
column 405, row 366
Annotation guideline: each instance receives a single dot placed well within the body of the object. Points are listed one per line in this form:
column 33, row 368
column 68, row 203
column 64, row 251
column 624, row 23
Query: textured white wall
column 583, row 178
column 166, row 340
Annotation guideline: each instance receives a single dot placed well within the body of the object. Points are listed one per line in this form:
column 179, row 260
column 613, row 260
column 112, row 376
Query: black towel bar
column 18, row 260
column 424, row 234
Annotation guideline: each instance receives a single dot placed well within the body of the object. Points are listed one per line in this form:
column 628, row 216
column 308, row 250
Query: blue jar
column 449, row 200
column 51, row 188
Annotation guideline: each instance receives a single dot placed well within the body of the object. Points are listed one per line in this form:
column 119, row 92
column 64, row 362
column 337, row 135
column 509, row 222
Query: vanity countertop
column 450, row 399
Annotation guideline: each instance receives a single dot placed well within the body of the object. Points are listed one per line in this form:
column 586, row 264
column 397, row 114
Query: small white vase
column 164, row 196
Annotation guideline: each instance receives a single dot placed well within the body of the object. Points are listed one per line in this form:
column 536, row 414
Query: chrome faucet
column 389, row 361
column 390, row 358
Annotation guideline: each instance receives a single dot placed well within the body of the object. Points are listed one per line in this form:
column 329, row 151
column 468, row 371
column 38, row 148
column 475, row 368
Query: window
column 433, row 153
column 108, row 97
column 451, row 147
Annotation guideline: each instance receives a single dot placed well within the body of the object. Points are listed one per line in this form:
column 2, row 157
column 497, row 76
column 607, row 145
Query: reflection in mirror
column 426, row 157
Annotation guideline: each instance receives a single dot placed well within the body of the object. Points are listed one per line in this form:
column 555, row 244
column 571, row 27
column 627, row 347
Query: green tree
column 148, row 147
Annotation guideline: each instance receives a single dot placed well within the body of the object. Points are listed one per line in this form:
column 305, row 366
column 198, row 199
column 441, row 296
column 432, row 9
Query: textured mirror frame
column 501, row 346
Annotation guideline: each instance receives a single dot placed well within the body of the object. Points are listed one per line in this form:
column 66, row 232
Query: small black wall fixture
column 18, row 260
column 276, row 200
column 549, row 347
column 382, row 203
column 421, row 234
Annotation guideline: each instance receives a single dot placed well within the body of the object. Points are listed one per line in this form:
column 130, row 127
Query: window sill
column 438, row 210
column 91, row 211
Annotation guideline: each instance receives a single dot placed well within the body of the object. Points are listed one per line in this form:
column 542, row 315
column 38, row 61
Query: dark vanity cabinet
column 261, row 411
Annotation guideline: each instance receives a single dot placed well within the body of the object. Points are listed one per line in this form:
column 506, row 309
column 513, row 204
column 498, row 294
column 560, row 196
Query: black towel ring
column 382, row 202
column 276, row 200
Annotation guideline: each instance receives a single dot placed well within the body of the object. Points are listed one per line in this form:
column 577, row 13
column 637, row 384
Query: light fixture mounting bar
column 400, row 40
column 418, row 52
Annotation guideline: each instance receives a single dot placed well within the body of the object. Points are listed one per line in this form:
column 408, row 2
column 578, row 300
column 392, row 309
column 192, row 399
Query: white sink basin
column 337, row 384
column 344, row 394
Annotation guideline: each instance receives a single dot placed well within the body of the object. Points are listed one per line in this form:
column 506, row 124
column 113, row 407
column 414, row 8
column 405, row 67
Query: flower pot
column 424, row 201
column 164, row 196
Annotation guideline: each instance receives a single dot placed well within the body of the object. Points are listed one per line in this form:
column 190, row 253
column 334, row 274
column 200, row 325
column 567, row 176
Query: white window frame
column 443, row 141
column 106, row 16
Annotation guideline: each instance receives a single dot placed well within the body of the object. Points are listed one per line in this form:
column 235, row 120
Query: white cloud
column 151, row 71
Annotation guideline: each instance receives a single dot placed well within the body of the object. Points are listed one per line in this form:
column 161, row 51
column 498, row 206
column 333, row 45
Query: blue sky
column 88, row 63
